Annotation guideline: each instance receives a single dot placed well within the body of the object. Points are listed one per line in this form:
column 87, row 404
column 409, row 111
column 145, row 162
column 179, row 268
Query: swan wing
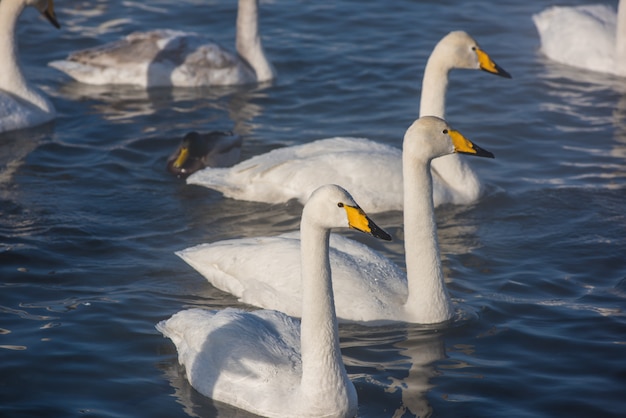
column 371, row 171
column 582, row 36
column 247, row 359
column 265, row 272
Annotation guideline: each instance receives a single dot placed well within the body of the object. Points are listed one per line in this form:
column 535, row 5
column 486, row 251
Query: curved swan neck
column 428, row 300
column 620, row 37
column 10, row 73
column 322, row 366
column 248, row 41
column 11, row 78
column 434, row 85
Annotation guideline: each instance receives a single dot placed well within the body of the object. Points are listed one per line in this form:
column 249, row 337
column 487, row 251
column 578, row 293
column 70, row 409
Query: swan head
column 431, row 137
column 460, row 50
column 46, row 8
column 331, row 206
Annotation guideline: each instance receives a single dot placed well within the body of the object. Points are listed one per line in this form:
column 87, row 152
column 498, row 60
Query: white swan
column 591, row 36
column 368, row 287
column 21, row 104
column 264, row 361
column 175, row 58
column 371, row 171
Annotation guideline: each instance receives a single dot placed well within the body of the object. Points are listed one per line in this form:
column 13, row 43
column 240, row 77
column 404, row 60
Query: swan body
column 196, row 151
column 21, row 104
column 372, row 172
column 265, row 361
column 592, row 37
column 175, row 58
column 368, row 287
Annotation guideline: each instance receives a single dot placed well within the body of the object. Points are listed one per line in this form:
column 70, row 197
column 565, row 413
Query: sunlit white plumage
column 175, row 58
column 368, row 287
column 371, row 171
column 592, row 37
column 265, row 361
column 21, row 104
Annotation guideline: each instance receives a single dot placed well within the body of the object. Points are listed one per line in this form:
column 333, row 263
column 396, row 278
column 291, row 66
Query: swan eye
column 474, row 48
column 445, row 131
column 339, row 205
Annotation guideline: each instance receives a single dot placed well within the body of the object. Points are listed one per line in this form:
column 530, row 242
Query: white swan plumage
column 21, row 104
column 368, row 287
column 265, row 361
column 592, row 37
column 175, row 58
column 371, row 171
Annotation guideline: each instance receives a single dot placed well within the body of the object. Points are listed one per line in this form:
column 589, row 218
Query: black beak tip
column 52, row 19
column 484, row 153
column 502, row 72
column 379, row 232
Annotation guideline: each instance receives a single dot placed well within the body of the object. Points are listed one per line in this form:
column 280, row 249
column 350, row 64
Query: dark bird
column 196, row 151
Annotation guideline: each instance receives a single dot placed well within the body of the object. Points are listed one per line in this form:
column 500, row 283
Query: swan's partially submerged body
column 265, row 361
column 175, row 58
column 592, row 37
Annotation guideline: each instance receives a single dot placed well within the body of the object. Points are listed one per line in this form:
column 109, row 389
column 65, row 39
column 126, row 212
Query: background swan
column 591, row 36
column 456, row 181
column 368, row 287
column 21, row 104
column 264, row 361
column 175, row 58
column 196, row 151
column 371, row 171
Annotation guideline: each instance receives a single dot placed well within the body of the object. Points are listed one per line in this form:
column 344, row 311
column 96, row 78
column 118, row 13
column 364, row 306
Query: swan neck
column 322, row 366
column 428, row 300
column 249, row 44
column 12, row 79
column 434, row 86
column 620, row 37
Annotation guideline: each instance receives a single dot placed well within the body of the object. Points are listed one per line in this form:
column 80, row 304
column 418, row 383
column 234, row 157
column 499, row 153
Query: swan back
column 588, row 36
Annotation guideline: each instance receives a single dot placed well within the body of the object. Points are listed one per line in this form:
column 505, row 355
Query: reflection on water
column 394, row 363
column 117, row 103
column 15, row 146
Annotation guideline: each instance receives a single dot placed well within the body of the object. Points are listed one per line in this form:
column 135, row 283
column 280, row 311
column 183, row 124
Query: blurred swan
column 368, row 287
column 21, row 104
column 175, row 58
column 371, row 171
column 592, row 37
column 196, row 151
column 265, row 361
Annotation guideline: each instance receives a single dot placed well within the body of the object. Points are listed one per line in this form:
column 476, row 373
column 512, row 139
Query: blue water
column 90, row 219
